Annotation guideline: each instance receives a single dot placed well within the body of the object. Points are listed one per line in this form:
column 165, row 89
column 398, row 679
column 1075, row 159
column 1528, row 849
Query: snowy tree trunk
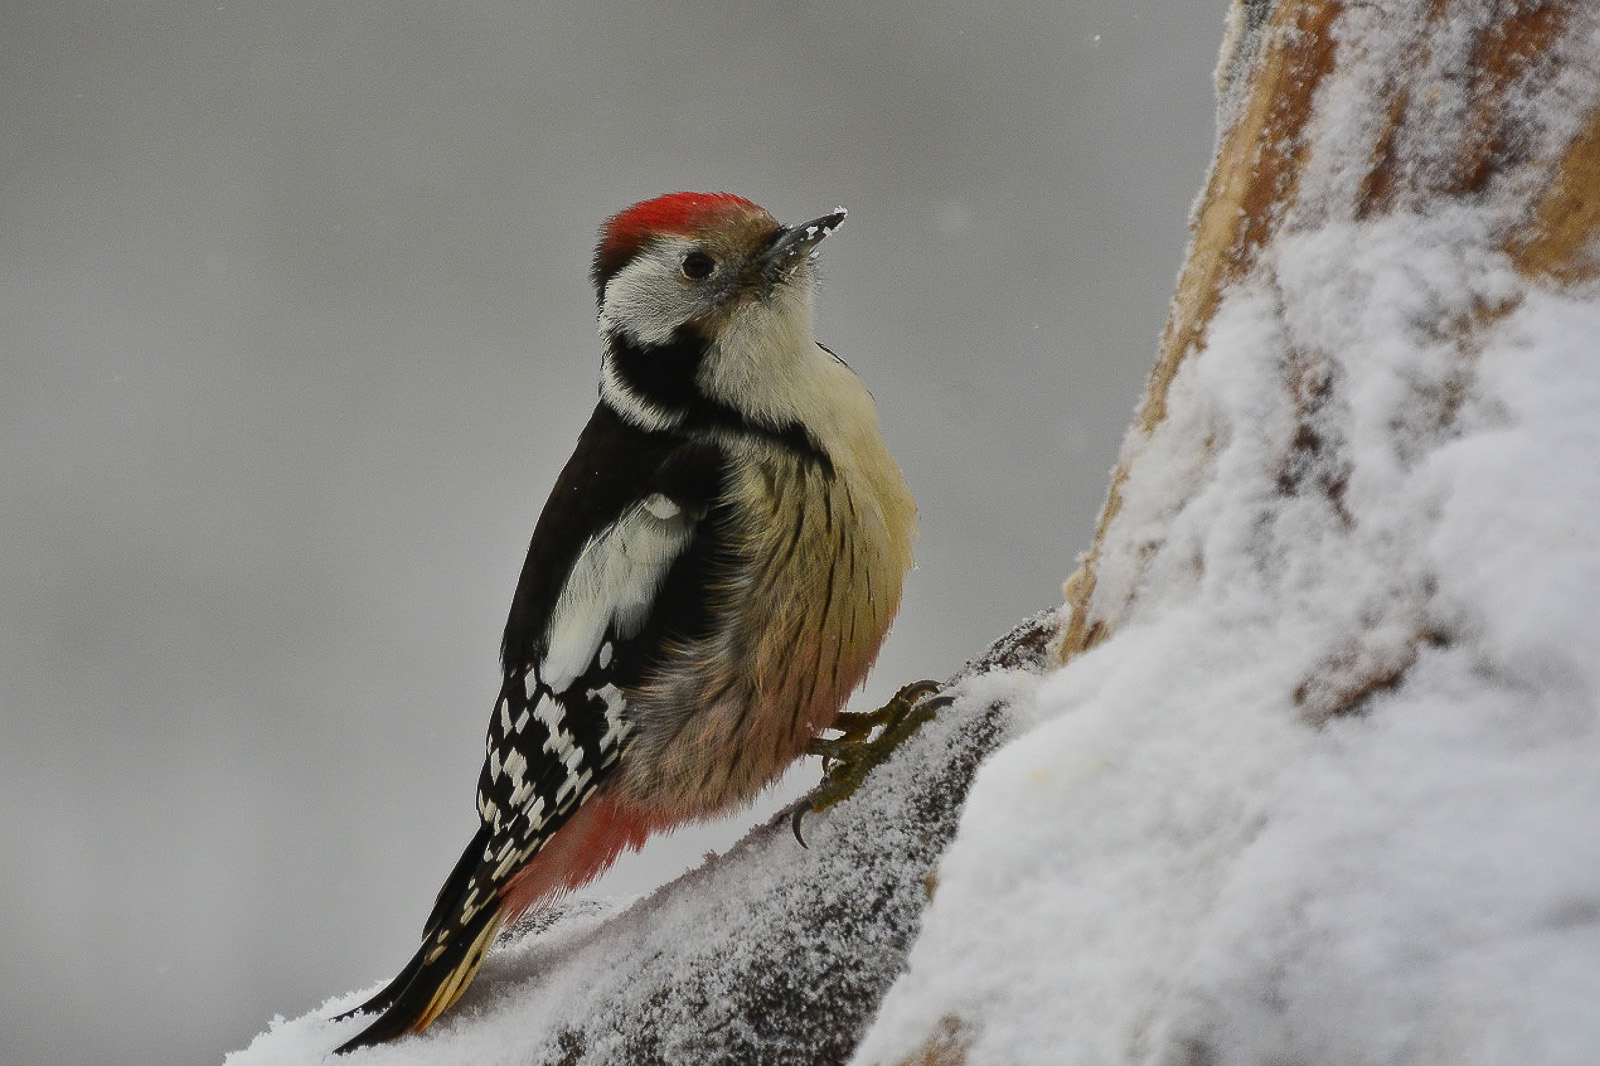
column 1417, row 106
column 1319, row 780
column 1316, row 778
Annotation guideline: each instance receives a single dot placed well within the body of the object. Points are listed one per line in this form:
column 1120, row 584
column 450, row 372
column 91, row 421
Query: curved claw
column 800, row 810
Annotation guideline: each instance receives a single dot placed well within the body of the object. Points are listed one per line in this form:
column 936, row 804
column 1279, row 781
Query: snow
column 1419, row 883
column 1179, row 864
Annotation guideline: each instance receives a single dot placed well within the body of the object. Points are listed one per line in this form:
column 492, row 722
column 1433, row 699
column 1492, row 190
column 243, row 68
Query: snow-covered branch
column 773, row 953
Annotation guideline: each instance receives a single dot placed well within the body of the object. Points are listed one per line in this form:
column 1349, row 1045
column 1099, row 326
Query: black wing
column 618, row 564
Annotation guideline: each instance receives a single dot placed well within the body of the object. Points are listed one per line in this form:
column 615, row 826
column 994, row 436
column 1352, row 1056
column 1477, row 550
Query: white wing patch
column 612, row 586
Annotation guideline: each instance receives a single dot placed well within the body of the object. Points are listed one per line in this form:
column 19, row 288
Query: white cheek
column 646, row 301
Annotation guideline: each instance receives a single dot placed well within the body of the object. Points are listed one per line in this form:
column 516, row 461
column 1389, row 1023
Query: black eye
column 698, row 265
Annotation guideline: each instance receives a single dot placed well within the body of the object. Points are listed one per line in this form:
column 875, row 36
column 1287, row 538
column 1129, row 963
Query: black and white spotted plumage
column 628, row 536
column 711, row 576
column 623, row 550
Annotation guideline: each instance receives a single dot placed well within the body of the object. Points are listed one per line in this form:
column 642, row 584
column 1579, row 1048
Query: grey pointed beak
column 795, row 244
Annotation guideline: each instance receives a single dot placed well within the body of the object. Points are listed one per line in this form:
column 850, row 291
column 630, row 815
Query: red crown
column 676, row 212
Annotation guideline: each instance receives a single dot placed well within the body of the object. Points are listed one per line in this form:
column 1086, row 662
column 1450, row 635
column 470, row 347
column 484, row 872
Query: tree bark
column 1425, row 149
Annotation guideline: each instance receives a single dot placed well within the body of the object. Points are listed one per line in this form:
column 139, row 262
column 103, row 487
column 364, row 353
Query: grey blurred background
column 295, row 334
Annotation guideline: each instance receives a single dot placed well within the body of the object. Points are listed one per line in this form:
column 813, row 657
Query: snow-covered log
column 1315, row 776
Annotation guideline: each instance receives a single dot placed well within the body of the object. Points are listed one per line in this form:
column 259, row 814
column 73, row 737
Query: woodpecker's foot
column 849, row 757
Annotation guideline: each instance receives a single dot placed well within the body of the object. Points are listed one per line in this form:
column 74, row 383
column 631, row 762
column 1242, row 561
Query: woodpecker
column 711, row 577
